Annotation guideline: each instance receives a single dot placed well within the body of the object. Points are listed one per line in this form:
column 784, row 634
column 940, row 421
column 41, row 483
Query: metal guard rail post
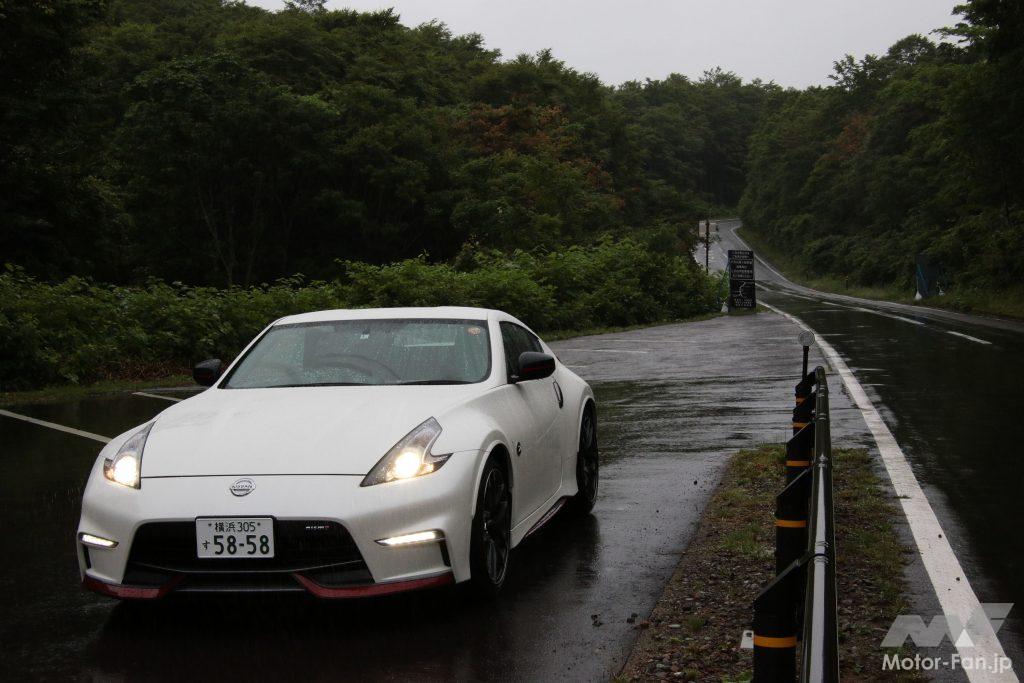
column 799, row 605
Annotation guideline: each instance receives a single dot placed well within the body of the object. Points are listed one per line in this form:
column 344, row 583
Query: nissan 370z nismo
column 346, row 453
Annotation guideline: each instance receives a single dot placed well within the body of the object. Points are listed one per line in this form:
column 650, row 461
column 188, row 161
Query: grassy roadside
column 694, row 631
column 70, row 392
column 1006, row 304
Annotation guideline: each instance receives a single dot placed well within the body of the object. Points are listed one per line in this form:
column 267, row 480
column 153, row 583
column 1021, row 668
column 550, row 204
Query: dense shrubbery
column 77, row 330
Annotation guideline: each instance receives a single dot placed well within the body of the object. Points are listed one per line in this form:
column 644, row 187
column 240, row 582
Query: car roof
column 436, row 312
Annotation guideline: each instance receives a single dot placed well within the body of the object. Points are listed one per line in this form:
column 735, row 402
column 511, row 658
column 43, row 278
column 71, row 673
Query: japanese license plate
column 235, row 537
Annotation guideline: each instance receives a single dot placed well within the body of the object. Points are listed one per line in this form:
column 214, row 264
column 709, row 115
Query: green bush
column 79, row 331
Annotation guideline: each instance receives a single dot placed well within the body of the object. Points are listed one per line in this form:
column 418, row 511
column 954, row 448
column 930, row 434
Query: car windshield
column 366, row 352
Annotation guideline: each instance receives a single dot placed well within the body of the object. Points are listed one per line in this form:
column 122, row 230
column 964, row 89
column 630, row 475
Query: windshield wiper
column 435, row 381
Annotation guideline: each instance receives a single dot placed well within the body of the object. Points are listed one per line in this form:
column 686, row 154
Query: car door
column 531, row 408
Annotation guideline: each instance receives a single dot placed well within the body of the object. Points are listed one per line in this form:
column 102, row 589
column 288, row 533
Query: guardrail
column 798, row 607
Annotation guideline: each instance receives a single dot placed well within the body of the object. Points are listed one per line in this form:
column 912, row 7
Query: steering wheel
column 365, row 360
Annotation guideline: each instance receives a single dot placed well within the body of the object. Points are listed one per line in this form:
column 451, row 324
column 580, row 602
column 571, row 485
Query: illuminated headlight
column 410, row 457
column 412, row 539
column 125, row 467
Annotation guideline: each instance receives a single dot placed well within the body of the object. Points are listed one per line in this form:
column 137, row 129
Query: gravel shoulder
column 694, row 631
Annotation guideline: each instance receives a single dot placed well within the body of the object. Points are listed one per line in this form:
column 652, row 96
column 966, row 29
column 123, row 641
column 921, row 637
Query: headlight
column 125, row 467
column 410, row 457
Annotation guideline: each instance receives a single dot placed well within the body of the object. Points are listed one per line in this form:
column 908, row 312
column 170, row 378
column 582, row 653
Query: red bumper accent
column 372, row 589
column 129, row 592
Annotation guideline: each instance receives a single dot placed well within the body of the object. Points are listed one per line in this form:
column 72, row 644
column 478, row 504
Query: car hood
column 307, row 430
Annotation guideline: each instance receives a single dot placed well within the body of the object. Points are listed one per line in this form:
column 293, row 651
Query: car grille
column 321, row 550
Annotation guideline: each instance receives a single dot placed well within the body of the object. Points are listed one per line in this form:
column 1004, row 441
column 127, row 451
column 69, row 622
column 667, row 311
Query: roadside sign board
column 741, row 279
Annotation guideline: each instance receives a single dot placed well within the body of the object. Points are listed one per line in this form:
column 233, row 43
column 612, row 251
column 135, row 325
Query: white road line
column 874, row 311
column 885, row 315
column 756, row 257
column 51, row 425
column 165, row 398
column 967, row 336
column 953, row 590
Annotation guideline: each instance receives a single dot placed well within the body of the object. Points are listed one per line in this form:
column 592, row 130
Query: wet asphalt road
column 674, row 401
column 954, row 404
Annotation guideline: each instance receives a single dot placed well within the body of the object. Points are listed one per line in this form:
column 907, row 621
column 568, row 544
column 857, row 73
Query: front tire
column 587, row 464
column 490, row 547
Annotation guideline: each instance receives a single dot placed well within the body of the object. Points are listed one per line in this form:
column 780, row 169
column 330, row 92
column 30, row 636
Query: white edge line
column 52, row 425
column 967, row 336
column 165, row 398
column 953, row 590
column 756, row 257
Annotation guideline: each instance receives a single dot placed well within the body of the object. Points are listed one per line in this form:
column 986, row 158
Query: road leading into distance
column 949, row 387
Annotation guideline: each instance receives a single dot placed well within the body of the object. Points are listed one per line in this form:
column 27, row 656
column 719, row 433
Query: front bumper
column 146, row 564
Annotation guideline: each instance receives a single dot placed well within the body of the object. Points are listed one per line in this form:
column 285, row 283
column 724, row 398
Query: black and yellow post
column 799, row 452
column 775, row 628
column 800, row 448
column 803, row 411
column 804, row 389
column 791, row 510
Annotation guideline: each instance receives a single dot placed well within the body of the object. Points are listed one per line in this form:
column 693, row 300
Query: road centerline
column 967, row 336
column 887, row 315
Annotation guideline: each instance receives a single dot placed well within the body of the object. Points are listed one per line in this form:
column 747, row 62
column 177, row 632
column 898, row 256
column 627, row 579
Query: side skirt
column 559, row 504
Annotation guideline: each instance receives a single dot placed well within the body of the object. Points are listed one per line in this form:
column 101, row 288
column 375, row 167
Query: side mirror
column 533, row 365
column 207, row 372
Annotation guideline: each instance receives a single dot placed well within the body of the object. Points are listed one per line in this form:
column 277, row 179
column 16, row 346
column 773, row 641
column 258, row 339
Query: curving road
column 949, row 387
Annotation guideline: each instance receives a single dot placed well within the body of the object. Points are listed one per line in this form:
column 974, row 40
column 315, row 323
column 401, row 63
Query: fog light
column 97, row 541
column 410, row 539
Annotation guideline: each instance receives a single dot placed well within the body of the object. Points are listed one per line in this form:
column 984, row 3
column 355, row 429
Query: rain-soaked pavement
column 949, row 386
column 674, row 401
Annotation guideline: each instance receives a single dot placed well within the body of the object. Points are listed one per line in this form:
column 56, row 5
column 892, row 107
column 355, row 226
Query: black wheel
column 491, row 545
column 587, row 464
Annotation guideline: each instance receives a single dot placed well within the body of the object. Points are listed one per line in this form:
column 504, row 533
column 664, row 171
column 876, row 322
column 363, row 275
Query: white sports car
column 346, row 453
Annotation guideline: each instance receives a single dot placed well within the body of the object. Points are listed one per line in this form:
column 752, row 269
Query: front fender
column 472, row 429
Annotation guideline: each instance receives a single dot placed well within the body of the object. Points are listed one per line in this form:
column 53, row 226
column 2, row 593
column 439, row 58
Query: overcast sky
column 792, row 42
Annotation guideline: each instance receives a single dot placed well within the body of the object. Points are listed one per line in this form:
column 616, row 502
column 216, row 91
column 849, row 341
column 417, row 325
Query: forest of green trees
column 216, row 143
column 916, row 152
column 201, row 157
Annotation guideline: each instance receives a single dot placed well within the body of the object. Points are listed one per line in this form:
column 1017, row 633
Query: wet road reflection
column 949, row 387
column 667, row 419
column 953, row 406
